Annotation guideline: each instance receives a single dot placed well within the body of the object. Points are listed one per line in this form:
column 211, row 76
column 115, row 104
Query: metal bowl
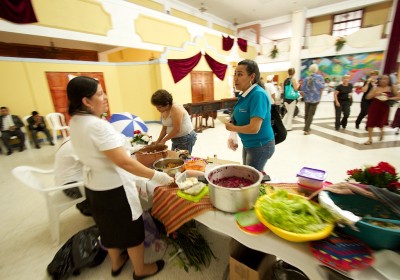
column 165, row 164
column 233, row 200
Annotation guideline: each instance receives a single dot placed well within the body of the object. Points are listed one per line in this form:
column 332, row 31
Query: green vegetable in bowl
column 293, row 213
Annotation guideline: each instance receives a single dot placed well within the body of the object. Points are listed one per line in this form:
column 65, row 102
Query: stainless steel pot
column 162, row 165
column 233, row 200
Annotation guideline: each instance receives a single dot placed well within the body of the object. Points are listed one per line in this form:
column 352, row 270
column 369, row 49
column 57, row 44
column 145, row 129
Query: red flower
column 137, row 132
column 386, row 167
column 395, row 184
column 354, row 171
column 374, row 170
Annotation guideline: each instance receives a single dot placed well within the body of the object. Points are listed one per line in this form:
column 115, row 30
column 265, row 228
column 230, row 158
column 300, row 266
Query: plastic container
column 311, row 179
column 376, row 237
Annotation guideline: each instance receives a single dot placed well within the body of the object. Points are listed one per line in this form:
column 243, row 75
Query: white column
column 296, row 42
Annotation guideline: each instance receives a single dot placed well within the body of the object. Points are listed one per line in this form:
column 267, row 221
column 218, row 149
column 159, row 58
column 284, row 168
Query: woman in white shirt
column 176, row 123
column 109, row 181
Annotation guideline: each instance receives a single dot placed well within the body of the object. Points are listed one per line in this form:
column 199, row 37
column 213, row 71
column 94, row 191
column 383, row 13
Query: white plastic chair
column 57, row 202
column 25, row 130
column 57, row 122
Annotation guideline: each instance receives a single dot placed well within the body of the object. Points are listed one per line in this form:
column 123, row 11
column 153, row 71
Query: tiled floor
column 25, row 244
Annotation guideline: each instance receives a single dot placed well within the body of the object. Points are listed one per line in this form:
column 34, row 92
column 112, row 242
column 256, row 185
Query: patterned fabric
column 174, row 211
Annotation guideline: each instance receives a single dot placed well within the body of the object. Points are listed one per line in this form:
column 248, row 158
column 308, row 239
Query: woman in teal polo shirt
column 251, row 117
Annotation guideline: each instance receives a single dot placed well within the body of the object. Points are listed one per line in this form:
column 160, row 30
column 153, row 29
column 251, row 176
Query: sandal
column 115, row 273
column 160, row 265
column 369, row 142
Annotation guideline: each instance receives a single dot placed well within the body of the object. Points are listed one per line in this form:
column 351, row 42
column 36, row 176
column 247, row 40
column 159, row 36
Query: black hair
column 161, row 98
column 34, row 113
column 77, row 89
column 252, row 67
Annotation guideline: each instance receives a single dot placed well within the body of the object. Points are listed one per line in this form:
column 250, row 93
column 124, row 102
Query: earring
column 251, row 83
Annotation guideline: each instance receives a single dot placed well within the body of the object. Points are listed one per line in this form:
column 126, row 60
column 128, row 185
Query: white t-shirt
column 67, row 167
column 90, row 136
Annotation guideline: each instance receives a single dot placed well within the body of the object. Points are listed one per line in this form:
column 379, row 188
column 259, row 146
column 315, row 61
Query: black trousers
column 34, row 133
column 364, row 111
column 345, row 108
column 7, row 134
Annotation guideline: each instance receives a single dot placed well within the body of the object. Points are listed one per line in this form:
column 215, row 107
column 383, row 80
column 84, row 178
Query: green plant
column 196, row 251
column 274, row 52
column 382, row 175
column 340, row 43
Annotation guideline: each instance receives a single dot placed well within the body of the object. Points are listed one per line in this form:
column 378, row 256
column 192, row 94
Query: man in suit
column 36, row 123
column 10, row 125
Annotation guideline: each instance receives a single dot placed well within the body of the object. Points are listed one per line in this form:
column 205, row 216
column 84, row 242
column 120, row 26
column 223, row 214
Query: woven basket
column 148, row 155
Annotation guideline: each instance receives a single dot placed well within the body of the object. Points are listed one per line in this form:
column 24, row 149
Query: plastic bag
column 83, row 249
column 233, row 141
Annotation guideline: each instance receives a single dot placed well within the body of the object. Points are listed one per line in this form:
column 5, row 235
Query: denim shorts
column 257, row 157
column 185, row 142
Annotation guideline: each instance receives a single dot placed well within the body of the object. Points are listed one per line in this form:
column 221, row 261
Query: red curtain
column 242, row 43
column 181, row 67
column 17, row 11
column 227, row 43
column 218, row 68
column 393, row 46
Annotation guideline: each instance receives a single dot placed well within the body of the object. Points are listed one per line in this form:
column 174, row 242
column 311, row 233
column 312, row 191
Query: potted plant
column 340, row 43
column 274, row 52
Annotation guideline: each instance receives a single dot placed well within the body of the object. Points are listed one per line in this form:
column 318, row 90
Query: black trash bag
column 277, row 125
column 82, row 250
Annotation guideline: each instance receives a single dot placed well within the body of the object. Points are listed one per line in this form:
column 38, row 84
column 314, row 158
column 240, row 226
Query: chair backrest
column 25, row 120
column 30, row 176
column 56, row 120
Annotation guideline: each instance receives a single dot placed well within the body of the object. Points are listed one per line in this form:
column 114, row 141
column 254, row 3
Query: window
column 347, row 23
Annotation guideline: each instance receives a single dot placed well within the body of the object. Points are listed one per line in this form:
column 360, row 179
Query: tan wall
column 132, row 55
column 83, row 15
column 128, row 87
column 373, row 15
column 149, row 4
column 185, row 16
column 152, row 30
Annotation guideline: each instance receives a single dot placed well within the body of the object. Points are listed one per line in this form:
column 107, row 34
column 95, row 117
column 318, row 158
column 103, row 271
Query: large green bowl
column 376, row 237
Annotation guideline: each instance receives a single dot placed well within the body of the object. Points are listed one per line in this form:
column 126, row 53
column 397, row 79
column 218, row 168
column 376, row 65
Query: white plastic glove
column 232, row 141
column 162, row 178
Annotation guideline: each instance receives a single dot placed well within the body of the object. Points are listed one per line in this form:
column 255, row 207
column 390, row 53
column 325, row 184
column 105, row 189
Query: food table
column 296, row 254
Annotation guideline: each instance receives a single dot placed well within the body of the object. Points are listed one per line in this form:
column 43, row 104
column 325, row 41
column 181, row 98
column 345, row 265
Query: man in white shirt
column 10, row 125
column 271, row 89
column 68, row 169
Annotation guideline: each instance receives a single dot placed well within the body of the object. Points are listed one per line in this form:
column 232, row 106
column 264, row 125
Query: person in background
column 36, row 123
column 110, row 177
column 342, row 102
column 68, row 169
column 378, row 110
column 10, row 125
column 270, row 88
column 311, row 89
column 290, row 104
column 396, row 121
column 176, row 123
column 251, row 117
column 368, row 85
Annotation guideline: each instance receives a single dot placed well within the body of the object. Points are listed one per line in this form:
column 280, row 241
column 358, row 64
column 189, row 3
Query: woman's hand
column 162, row 178
column 337, row 104
column 231, row 127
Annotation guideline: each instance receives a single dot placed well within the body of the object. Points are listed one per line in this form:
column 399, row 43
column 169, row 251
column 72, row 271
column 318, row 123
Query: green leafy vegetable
column 294, row 213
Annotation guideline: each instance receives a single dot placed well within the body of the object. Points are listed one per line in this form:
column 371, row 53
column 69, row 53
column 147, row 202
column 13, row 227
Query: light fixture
column 202, row 8
column 235, row 23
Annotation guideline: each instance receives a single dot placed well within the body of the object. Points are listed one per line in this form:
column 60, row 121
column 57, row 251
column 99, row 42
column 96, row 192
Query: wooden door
column 202, row 86
column 58, row 87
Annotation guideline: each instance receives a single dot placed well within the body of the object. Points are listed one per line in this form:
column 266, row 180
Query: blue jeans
column 257, row 157
column 185, row 142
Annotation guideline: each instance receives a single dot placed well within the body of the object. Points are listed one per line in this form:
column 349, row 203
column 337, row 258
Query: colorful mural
column 357, row 66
